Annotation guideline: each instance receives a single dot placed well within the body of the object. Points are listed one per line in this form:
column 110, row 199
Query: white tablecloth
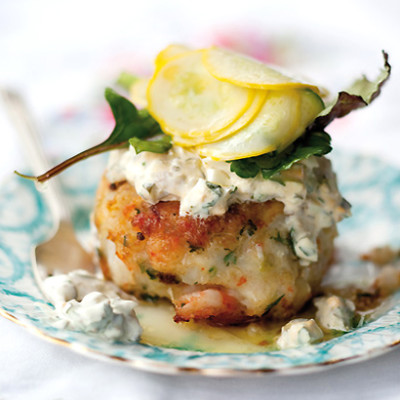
column 57, row 54
column 35, row 369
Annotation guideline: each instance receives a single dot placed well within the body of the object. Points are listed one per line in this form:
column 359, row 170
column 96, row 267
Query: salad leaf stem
column 129, row 123
column 73, row 160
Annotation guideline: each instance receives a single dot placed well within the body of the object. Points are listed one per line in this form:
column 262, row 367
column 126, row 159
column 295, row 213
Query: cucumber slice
column 187, row 101
column 238, row 69
column 283, row 118
column 311, row 105
column 248, row 115
column 139, row 88
column 170, row 52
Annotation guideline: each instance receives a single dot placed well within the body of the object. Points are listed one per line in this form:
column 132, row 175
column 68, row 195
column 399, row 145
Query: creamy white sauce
column 89, row 304
column 206, row 187
column 335, row 313
column 299, row 332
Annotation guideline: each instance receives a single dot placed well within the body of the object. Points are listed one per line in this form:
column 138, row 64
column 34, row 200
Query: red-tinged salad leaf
column 360, row 94
column 129, row 123
column 315, row 141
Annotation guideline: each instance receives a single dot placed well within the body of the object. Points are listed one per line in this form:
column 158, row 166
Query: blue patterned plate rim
column 373, row 187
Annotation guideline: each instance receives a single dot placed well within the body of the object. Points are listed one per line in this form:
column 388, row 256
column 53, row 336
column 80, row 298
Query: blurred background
column 62, row 54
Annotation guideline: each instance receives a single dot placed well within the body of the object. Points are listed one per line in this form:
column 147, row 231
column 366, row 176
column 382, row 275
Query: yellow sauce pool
column 159, row 329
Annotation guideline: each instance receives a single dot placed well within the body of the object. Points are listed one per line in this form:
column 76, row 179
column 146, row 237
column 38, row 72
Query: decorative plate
column 372, row 187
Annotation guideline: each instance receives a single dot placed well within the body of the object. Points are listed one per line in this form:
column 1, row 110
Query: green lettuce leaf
column 162, row 145
column 313, row 143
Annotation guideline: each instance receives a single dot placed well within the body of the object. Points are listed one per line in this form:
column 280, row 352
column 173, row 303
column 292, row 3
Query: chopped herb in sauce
column 217, row 189
column 151, row 273
column 305, row 251
column 149, row 298
column 272, row 305
column 148, row 270
column 287, row 241
column 233, row 190
column 230, row 258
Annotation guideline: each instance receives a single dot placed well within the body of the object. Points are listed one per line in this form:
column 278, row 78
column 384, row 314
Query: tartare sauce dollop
column 299, row 332
column 206, row 187
column 335, row 313
column 89, row 304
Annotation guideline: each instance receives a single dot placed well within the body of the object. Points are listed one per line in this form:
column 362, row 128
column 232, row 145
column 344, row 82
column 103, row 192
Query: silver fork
column 61, row 252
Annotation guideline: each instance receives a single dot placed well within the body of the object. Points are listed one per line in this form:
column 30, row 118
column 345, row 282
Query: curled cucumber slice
column 283, row 118
column 241, row 70
column 169, row 53
column 188, row 101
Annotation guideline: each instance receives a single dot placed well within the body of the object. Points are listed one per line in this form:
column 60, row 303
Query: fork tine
column 62, row 252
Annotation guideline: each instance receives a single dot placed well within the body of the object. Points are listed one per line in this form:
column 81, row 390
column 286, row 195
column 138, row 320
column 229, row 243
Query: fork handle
column 31, row 143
